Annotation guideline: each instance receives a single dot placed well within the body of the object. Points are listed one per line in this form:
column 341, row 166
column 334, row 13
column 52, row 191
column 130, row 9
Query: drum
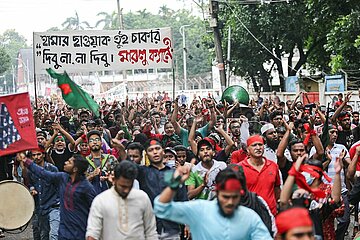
column 16, row 205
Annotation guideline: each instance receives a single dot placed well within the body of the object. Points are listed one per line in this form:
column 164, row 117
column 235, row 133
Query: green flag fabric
column 73, row 95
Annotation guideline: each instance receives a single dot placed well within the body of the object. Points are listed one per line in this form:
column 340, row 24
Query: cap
column 205, row 142
column 266, row 127
column 93, row 132
column 170, row 150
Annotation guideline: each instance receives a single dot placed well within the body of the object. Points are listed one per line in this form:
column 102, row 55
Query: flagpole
column 35, row 88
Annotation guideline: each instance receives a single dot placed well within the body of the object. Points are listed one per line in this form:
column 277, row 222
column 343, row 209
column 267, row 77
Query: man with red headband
column 223, row 218
column 262, row 175
column 294, row 223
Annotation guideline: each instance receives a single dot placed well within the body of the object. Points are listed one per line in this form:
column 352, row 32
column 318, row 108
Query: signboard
column 290, row 83
column 101, row 50
column 334, row 83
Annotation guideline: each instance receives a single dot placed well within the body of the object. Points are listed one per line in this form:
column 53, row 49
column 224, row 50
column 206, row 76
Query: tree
column 109, row 21
column 5, row 61
column 300, row 26
column 74, row 23
column 341, row 43
column 12, row 42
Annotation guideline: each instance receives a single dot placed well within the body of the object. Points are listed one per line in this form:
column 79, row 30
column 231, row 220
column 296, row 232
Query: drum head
column 16, row 205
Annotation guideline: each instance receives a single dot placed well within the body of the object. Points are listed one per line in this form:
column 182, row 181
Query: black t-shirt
column 60, row 158
column 345, row 138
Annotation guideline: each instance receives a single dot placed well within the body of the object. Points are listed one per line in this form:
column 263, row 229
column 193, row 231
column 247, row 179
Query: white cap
column 266, row 127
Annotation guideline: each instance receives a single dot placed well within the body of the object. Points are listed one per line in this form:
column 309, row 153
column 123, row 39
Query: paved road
column 26, row 235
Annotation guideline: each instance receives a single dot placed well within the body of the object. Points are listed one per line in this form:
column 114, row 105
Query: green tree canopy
column 12, row 42
column 299, row 27
column 5, row 61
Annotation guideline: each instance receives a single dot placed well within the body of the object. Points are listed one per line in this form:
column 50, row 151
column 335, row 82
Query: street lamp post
column 182, row 32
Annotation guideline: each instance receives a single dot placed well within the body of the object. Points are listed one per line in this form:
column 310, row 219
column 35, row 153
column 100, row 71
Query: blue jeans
column 54, row 222
column 49, row 224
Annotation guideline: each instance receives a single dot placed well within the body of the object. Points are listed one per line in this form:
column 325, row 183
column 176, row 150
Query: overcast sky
column 27, row 16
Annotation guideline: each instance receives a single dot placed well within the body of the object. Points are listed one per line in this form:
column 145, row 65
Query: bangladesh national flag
column 73, row 95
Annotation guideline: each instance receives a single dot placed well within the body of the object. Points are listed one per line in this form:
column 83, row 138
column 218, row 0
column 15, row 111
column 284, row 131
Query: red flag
column 17, row 128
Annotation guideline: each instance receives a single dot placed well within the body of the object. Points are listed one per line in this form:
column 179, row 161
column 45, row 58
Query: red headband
column 255, row 139
column 231, row 184
column 292, row 218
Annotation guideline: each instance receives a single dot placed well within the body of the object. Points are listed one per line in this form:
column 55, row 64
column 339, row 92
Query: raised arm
column 318, row 146
column 286, row 192
column 230, row 143
column 283, row 144
column 40, row 172
column 174, row 117
column 66, row 134
column 341, row 107
column 191, row 138
column 211, row 106
column 295, row 100
column 336, row 189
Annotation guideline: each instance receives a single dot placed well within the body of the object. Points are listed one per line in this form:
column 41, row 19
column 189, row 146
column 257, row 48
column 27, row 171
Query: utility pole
column 214, row 10
column 182, row 32
column 121, row 26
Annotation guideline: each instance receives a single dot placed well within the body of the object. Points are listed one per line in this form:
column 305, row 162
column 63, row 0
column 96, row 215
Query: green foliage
column 74, row 23
column 12, row 42
column 301, row 26
column 5, row 61
column 343, row 41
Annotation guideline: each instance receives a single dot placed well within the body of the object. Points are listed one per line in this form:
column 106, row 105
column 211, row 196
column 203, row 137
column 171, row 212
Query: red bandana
column 301, row 181
column 310, row 132
column 292, row 218
column 231, row 184
column 255, row 139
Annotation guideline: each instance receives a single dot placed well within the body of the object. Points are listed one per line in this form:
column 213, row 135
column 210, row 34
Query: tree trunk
column 265, row 80
column 280, row 69
column 255, row 84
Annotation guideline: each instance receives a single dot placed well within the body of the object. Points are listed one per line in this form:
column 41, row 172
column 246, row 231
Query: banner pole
column 35, row 87
column 173, row 83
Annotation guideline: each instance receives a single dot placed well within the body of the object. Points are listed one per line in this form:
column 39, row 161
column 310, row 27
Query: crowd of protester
column 156, row 168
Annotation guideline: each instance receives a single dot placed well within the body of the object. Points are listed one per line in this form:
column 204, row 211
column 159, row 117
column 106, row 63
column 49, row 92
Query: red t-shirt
column 352, row 152
column 263, row 182
column 238, row 156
